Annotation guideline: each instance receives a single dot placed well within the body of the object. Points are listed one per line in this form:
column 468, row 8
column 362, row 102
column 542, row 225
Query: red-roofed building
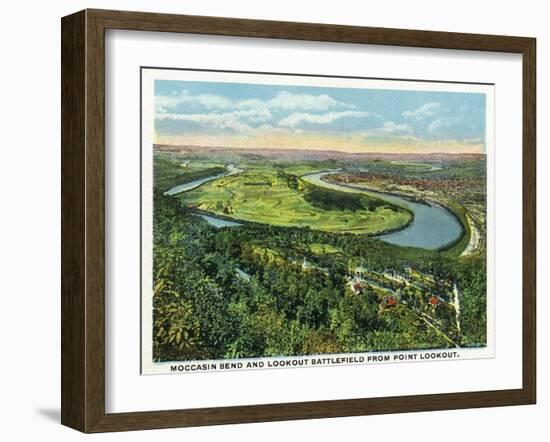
column 389, row 302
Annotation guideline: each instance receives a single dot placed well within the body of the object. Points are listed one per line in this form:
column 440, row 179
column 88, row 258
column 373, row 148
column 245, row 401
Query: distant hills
column 306, row 154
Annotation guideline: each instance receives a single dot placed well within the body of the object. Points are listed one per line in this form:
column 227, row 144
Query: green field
column 273, row 197
column 304, row 276
column 170, row 172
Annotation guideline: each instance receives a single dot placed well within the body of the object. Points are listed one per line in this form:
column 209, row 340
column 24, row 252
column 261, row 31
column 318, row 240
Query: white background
column 127, row 390
column 29, row 238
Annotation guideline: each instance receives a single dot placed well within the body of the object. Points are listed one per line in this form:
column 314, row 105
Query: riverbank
column 230, row 170
column 435, row 227
column 467, row 244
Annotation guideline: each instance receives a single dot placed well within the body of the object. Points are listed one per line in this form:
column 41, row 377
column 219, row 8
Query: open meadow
column 266, row 195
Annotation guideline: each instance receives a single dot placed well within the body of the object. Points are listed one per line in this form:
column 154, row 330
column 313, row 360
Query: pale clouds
column 165, row 103
column 254, row 110
column 389, row 127
column 426, row 110
column 295, row 119
column 289, row 101
column 238, row 121
column 283, row 100
column 445, row 123
column 211, row 111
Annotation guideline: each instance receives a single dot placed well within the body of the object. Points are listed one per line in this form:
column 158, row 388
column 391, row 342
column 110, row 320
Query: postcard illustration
column 289, row 219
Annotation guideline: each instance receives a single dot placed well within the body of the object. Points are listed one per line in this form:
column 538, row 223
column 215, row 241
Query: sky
column 327, row 118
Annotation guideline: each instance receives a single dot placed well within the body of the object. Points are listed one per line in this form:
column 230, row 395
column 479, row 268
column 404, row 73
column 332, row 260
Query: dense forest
column 261, row 290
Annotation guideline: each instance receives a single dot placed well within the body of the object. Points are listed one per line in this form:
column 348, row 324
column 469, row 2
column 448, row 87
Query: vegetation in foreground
column 269, row 290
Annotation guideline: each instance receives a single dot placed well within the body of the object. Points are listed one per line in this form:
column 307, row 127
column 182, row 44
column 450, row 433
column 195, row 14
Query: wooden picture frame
column 83, row 219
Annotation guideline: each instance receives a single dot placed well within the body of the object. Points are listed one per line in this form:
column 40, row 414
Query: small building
column 434, row 301
column 361, row 271
column 356, row 285
column 389, row 302
column 242, row 274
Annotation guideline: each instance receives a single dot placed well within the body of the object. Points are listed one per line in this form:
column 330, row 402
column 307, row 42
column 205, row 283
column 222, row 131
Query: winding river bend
column 433, row 226
column 185, row 187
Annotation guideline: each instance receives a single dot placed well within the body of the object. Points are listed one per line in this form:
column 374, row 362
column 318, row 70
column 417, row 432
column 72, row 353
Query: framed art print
column 271, row 220
column 307, row 209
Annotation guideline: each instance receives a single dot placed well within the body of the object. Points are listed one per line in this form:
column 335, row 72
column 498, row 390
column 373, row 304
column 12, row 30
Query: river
column 433, row 226
column 185, row 187
column 218, row 223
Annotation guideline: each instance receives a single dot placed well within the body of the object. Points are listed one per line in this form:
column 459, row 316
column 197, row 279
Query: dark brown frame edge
column 83, row 217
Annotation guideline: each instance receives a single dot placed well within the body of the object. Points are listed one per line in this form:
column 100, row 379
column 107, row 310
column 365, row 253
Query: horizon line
column 317, row 150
